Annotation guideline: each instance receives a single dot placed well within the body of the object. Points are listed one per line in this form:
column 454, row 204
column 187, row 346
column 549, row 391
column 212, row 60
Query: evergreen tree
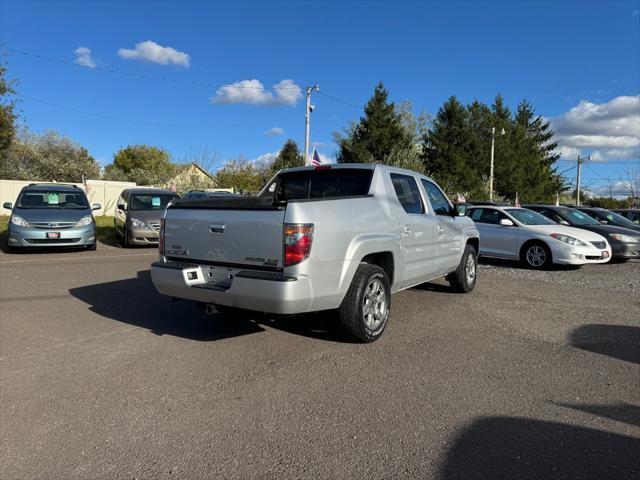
column 377, row 135
column 447, row 150
column 289, row 156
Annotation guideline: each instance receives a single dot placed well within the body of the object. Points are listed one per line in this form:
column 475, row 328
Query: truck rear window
column 308, row 184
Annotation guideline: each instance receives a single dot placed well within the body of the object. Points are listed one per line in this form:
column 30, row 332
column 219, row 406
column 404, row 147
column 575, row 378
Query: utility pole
column 307, row 117
column 493, row 143
column 580, row 160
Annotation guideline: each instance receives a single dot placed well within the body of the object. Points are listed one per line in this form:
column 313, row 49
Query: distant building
column 191, row 176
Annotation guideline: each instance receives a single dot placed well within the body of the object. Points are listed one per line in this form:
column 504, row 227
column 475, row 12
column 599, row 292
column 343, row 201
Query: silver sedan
column 522, row 234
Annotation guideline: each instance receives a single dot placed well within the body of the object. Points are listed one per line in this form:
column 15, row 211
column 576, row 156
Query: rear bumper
column 270, row 292
column 36, row 237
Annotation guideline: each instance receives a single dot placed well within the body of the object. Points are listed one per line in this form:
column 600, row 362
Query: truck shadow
column 617, row 341
column 522, row 448
column 135, row 301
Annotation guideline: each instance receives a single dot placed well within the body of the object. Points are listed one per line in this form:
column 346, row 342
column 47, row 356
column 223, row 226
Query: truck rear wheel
column 364, row 312
column 463, row 279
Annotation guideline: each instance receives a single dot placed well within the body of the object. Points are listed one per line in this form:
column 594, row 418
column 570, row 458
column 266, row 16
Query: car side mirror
column 96, row 206
column 505, row 222
column 459, row 210
column 564, row 222
column 121, row 206
column 7, row 205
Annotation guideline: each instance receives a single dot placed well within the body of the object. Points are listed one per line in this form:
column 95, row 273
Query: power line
column 138, row 75
column 359, row 107
column 124, row 120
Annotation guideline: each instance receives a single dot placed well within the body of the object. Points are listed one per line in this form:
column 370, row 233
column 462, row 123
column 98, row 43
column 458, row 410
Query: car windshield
column 576, row 217
column 51, row 199
column 529, row 217
column 151, row 201
column 616, row 219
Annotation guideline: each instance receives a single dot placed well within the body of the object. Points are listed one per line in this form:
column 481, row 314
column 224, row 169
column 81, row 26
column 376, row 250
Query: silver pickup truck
column 336, row 237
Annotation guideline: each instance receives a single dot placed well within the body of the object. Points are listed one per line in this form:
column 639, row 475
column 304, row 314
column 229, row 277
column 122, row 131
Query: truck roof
column 351, row 166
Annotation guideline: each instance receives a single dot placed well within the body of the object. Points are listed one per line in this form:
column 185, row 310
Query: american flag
column 315, row 158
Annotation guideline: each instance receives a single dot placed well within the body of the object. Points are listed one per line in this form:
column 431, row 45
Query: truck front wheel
column 463, row 279
column 364, row 312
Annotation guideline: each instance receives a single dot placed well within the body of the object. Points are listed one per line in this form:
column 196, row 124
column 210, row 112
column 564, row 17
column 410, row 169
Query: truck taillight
column 297, row 242
column 161, row 240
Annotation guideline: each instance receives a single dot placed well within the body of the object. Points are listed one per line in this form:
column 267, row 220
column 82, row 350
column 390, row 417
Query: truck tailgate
column 232, row 237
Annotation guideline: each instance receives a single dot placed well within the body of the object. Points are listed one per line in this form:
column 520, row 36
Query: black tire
column 12, row 249
column 536, row 255
column 463, row 279
column 370, row 286
column 92, row 247
column 125, row 239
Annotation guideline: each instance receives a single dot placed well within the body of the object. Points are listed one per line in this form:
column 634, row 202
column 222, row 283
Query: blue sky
column 577, row 62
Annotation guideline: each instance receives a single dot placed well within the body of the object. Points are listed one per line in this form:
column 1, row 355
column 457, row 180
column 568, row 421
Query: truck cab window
column 407, row 192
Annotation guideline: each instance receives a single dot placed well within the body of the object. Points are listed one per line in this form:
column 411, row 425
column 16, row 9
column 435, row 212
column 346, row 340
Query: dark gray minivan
column 138, row 213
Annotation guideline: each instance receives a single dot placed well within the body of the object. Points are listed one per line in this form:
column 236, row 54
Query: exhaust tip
column 210, row 309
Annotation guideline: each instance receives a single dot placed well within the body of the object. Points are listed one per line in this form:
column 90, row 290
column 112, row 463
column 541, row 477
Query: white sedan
column 522, row 234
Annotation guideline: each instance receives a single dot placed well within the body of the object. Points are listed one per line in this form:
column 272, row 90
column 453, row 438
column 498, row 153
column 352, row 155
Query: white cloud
column 265, row 159
column 154, row 53
column 608, row 131
column 274, row 132
column 253, row 92
column 617, row 189
column 83, row 57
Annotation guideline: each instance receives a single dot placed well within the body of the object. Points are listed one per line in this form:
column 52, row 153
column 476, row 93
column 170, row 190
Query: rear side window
column 407, row 192
column 332, row 183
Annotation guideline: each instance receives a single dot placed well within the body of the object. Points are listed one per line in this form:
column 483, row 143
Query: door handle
column 406, row 231
column 440, row 229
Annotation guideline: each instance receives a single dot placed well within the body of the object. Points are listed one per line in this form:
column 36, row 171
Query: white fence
column 98, row 191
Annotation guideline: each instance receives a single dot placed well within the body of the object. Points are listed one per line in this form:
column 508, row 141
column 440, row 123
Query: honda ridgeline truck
column 335, row 237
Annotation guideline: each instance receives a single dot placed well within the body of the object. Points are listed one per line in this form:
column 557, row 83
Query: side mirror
column 505, row 222
column 96, row 206
column 564, row 222
column 604, row 222
column 459, row 210
column 121, row 206
column 7, row 205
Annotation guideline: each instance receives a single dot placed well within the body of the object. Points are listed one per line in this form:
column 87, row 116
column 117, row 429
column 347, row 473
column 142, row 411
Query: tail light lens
column 297, row 242
column 161, row 240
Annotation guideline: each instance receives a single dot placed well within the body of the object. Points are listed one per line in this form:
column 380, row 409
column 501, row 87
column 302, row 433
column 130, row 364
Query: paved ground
column 534, row 375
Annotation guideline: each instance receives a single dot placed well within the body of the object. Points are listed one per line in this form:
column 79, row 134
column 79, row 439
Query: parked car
column 138, row 213
column 521, row 234
column 51, row 215
column 335, row 237
column 625, row 243
column 607, row 217
column 630, row 214
column 202, row 194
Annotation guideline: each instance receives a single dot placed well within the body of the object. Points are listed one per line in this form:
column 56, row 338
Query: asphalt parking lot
column 533, row 375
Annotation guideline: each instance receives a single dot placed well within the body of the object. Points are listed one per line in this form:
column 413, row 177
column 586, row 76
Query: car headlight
column 21, row 222
column 567, row 239
column 624, row 238
column 135, row 223
column 86, row 220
